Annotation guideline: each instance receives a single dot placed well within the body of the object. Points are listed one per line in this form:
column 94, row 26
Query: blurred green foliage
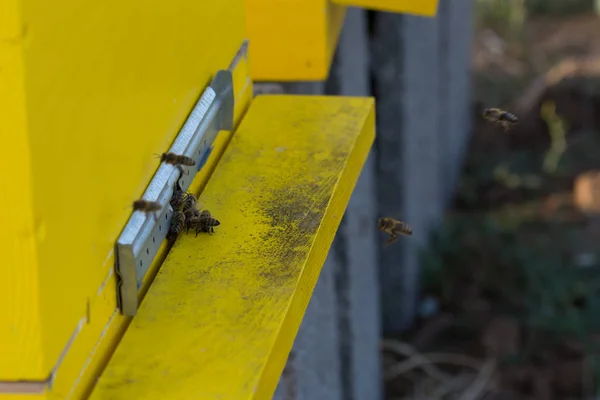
column 524, row 270
column 506, row 17
column 561, row 7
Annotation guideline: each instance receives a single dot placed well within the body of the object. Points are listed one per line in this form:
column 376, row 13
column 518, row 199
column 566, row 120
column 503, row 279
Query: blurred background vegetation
column 511, row 280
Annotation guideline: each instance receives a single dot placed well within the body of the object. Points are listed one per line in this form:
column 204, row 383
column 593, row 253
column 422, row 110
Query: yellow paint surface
column 221, row 316
column 426, row 8
column 89, row 91
column 292, row 40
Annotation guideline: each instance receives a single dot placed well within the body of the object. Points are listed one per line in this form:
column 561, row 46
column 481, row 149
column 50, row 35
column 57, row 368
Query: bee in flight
column 147, row 207
column 177, row 224
column 501, row 117
column 204, row 222
column 394, row 227
column 177, row 159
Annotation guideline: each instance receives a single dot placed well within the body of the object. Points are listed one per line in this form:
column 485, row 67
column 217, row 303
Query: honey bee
column 177, row 224
column 191, row 214
column 394, row 228
column 177, row 159
column 177, row 199
column 501, row 117
column 147, row 207
column 189, row 202
column 204, row 222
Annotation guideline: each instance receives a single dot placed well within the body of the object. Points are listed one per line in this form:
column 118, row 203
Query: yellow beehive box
column 292, row 40
column 295, row 40
column 89, row 92
column 426, row 8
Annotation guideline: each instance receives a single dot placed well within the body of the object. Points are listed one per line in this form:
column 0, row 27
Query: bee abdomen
column 189, row 202
column 210, row 222
column 177, row 224
column 506, row 116
column 404, row 228
column 177, row 199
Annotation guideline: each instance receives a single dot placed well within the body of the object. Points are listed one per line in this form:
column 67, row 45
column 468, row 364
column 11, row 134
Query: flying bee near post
column 177, row 224
column 394, row 228
column 204, row 222
column 147, row 207
column 501, row 117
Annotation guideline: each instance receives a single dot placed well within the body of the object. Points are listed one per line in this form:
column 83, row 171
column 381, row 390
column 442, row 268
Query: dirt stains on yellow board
column 223, row 312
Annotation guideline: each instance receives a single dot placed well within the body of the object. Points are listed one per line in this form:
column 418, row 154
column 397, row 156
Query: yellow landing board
column 222, row 314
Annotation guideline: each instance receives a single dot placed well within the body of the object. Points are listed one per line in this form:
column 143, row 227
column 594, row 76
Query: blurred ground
column 511, row 283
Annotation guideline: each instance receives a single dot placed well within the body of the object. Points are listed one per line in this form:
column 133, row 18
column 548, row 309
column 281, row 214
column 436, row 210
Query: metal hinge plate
column 142, row 236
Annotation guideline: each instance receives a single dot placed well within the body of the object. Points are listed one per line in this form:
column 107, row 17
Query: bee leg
column 155, row 216
column 392, row 239
column 197, row 230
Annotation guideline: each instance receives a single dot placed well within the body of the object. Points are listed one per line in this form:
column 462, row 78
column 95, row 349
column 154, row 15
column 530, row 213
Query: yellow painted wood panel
column 222, row 314
column 426, row 8
column 97, row 340
column 89, row 92
column 292, row 40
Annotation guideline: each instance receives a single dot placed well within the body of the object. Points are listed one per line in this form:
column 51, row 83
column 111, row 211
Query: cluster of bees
column 187, row 216
column 394, row 227
column 185, row 213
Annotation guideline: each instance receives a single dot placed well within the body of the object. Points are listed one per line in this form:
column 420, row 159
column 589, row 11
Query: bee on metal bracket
column 147, row 207
column 190, row 216
column 177, row 224
column 177, row 198
column 394, row 228
column 189, row 202
column 177, row 159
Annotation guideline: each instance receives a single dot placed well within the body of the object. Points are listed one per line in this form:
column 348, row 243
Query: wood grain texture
column 222, row 314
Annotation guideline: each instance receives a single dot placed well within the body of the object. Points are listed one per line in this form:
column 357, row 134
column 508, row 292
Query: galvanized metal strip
column 141, row 238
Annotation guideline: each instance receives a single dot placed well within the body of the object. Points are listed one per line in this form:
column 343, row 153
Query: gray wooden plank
column 460, row 34
column 455, row 86
column 405, row 60
column 357, row 275
column 316, row 359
